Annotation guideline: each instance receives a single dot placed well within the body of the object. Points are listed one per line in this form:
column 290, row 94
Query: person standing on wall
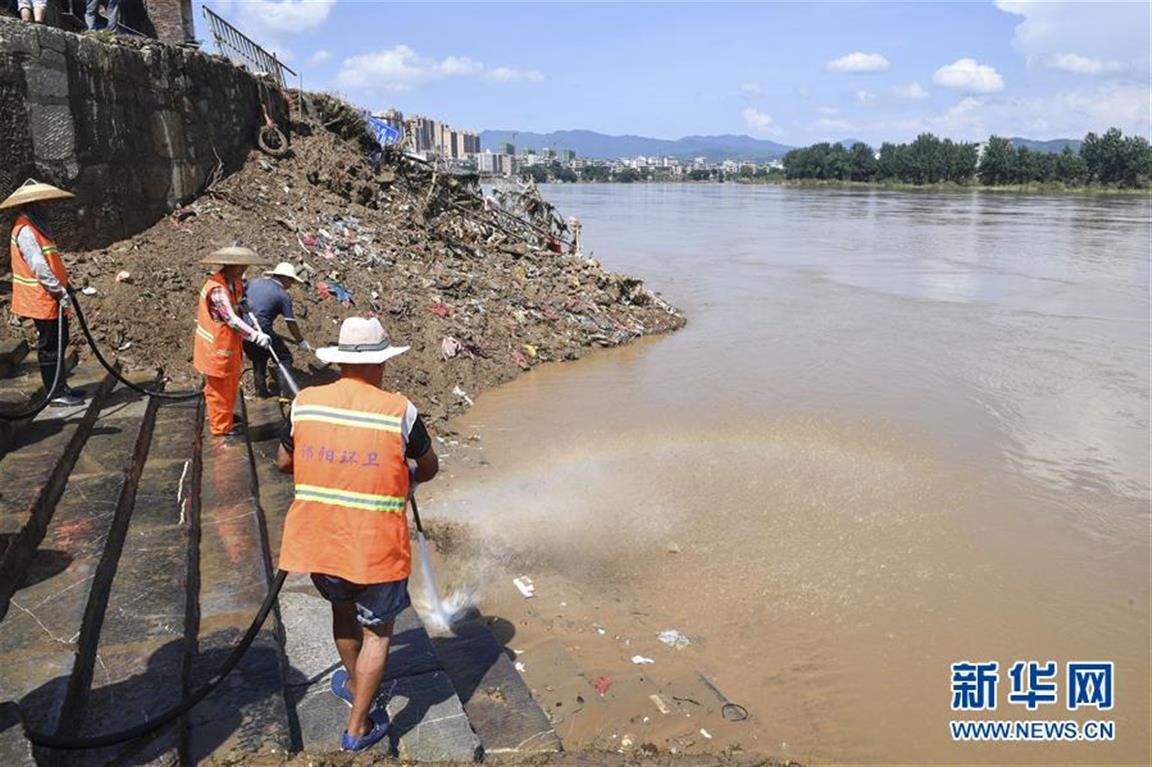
column 40, row 282
column 269, row 298
column 348, row 446
column 33, row 10
column 217, row 344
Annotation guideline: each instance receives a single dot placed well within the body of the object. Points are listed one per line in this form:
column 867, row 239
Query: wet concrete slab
column 50, row 609
column 248, row 711
column 498, row 702
column 33, row 475
column 142, row 649
column 428, row 722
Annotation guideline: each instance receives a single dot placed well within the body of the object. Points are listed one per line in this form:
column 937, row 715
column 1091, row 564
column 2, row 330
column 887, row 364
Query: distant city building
column 432, row 137
column 569, row 155
column 495, row 164
column 508, row 148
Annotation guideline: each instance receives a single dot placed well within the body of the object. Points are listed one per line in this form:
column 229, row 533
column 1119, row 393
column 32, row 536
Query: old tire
column 272, row 141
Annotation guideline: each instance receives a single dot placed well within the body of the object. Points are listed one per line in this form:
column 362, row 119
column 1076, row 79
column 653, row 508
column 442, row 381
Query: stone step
column 23, row 387
column 12, row 353
column 142, row 647
column 47, row 637
column 428, row 722
column 498, row 702
column 248, row 711
column 33, row 475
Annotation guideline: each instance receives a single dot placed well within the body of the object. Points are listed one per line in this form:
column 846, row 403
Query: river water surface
column 899, row 430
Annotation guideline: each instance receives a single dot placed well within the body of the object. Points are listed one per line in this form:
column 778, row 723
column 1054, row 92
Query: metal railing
column 243, row 51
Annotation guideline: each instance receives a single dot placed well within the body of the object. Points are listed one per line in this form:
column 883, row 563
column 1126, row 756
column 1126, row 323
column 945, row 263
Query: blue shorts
column 376, row 603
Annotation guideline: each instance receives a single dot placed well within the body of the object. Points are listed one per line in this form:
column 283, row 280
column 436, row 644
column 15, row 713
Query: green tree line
column 1112, row 160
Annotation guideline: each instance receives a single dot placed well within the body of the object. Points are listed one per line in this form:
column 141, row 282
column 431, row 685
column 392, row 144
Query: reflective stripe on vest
column 215, row 345
column 29, row 298
column 348, row 516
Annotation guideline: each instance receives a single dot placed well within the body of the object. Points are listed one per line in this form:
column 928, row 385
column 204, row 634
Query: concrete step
column 142, row 646
column 23, row 387
column 33, row 475
column 428, row 721
column 497, row 700
column 248, row 711
column 47, row 637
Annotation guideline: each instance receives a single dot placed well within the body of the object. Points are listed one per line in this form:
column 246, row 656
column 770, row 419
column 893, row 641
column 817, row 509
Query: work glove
column 304, row 346
column 263, row 340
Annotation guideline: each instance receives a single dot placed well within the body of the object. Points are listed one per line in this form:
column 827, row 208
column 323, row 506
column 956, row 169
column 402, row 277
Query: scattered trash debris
column 519, row 666
column 462, row 395
column 89, row 291
column 673, row 548
column 674, row 638
column 705, row 733
column 659, row 703
column 601, row 684
column 449, row 347
column 733, row 712
column 124, row 276
column 640, row 660
column 525, row 585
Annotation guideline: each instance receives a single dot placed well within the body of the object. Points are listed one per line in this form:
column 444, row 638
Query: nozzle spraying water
column 440, row 615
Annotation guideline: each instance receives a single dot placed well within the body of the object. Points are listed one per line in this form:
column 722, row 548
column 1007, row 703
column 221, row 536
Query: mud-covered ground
column 566, row 759
column 477, row 296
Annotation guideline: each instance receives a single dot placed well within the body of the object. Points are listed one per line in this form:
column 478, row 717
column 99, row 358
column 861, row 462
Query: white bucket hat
column 362, row 342
column 284, row 269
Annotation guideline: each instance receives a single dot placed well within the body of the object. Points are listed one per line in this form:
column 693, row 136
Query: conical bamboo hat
column 235, row 255
column 34, row 191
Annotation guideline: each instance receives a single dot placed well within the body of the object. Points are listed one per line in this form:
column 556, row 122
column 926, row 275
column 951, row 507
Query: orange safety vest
column 349, row 516
column 29, row 298
column 216, row 347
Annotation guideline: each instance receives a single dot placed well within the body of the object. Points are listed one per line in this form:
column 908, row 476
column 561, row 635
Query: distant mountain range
column 600, row 146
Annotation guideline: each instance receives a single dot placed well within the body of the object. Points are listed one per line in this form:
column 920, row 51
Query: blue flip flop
column 379, row 729
column 340, row 686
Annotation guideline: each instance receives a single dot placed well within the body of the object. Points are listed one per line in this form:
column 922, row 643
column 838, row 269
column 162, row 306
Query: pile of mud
column 477, row 294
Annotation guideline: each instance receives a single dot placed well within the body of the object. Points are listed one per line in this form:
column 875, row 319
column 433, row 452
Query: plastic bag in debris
column 333, row 289
column 674, row 638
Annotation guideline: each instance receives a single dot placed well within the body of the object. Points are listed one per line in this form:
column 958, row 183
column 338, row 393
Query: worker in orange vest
column 348, row 445
column 40, row 283
column 218, row 342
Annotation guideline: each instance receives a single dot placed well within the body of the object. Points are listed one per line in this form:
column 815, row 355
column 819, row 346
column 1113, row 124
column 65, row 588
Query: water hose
column 285, row 373
column 177, row 396
column 103, row 741
column 32, row 412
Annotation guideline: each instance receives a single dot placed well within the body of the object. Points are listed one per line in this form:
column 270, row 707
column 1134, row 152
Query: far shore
column 1036, row 188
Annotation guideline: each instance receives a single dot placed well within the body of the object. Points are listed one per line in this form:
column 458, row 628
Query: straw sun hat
column 34, row 191
column 284, row 269
column 235, row 255
column 362, row 342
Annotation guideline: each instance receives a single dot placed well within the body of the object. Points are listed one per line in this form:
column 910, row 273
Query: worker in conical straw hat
column 40, row 281
column 220, row 333
column 354, row 450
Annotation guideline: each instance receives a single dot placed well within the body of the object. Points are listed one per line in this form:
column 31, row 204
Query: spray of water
column 438, row 613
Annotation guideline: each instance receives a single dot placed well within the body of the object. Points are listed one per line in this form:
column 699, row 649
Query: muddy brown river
column 900, row 430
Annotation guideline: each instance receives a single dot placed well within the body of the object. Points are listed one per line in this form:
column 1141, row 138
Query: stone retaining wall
column 134, row 127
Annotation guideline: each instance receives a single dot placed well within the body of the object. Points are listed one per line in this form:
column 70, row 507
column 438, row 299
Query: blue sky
column 792, row 72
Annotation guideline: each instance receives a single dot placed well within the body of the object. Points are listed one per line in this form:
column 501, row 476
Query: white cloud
column 320, row 57
column 828, row 110
column 828, row 123
column 858, row 62
column 865, row 98
column 284, row 16
column 1109, row 33
column 969, row 76
column 757, row 121
column 401, row 69
column 913, row 91
column 751, row 88
column 1081, row 65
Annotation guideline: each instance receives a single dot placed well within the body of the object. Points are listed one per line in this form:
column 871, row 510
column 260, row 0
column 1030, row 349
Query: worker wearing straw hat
column 269, row 298
column 347, row 446
column 40, row 281
column 218, row 342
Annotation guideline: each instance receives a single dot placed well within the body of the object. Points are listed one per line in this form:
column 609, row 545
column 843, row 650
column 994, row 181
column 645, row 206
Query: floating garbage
column 705, row 733
column 462, row 395
column 640, row 660
column 674, row 638
column 661, row 706
column 601, row 684
column 525, row 585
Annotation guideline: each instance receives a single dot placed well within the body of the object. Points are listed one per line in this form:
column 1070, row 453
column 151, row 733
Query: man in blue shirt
column 267, row 299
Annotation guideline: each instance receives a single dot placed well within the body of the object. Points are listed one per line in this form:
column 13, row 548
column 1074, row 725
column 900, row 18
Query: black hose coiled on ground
column 103, row 741
column 185, row 395
column 60, row 354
